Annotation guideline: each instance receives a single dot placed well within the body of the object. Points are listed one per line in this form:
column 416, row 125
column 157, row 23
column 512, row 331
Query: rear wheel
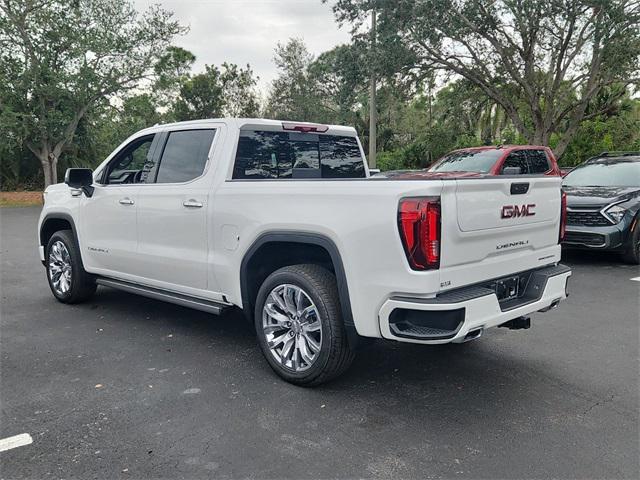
column 299, row 325
column 632, row 254
column 68, row 280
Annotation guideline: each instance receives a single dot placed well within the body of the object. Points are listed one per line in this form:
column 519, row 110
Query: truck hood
column 598, row 196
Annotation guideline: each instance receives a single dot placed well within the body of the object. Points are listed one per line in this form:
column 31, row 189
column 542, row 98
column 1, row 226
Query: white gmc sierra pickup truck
column 283, row 221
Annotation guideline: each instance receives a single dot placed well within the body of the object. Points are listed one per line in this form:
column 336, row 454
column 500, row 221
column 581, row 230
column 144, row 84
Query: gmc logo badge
column 513, row 211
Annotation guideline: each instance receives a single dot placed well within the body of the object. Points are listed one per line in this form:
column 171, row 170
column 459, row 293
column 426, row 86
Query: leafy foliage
column 542, row 61
column 65, row 57
column 77, row 77
column 217, row 93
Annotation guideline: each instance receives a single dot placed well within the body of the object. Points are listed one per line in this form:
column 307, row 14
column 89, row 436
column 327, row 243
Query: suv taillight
column 563, row 216
column 419, row 224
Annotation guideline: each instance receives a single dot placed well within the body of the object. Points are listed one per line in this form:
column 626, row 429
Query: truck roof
column 259, row 122
column 501, row 147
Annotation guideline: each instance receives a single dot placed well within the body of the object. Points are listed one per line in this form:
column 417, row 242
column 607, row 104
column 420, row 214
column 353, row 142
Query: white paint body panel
column 199, row 252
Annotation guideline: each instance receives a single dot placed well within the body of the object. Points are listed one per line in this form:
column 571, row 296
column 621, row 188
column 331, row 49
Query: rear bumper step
column 458, row 315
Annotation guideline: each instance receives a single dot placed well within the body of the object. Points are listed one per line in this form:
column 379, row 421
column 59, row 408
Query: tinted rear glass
column 538, row 161
column 272, row 155
column 479, row 161
column 605, row 174
column 517, row 159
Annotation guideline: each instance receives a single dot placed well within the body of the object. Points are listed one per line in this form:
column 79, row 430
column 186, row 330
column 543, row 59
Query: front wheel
column 68, row 280
column 299, row 325
column 632, row 254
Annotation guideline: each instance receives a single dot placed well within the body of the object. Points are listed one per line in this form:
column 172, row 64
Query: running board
column 171, row 297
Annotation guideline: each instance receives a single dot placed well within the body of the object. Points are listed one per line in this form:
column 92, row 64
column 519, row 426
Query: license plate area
column 509, row 288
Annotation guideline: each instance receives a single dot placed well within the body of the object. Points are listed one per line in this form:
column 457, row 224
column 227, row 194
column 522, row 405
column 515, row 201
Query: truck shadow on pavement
column 386, row 376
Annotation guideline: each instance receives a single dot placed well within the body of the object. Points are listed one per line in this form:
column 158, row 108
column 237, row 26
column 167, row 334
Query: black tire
column 335, row 354
column 81, row 285
column 632, row 254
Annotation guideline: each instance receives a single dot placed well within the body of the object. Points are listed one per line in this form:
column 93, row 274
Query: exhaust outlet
column 473, row 335
column 553, row 305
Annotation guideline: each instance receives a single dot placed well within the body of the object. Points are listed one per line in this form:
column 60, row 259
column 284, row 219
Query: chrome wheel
column 60, row 268
column 292, row 327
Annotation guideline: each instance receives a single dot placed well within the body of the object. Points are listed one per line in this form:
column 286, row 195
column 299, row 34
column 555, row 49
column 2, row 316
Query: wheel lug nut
column 291, row 334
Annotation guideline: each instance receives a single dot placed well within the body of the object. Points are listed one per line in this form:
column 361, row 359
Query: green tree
column 172, row 70
column 331, row 88
column 293, row 94
column 64, row 57
column 542, row 61
column 229, row 91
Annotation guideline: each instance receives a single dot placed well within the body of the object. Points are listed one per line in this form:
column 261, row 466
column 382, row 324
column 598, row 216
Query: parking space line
column 636, row 279
column 15, row 441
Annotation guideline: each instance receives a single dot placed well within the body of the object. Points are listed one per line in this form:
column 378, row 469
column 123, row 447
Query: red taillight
column 563, row 216
column 419, row 224
column 304, row 128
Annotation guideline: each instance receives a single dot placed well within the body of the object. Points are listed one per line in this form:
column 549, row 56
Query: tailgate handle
column 519, row 188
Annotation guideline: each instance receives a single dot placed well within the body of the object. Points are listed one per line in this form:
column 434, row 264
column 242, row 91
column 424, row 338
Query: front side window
column 132, row 164
column 277, row 155
column 184, row 156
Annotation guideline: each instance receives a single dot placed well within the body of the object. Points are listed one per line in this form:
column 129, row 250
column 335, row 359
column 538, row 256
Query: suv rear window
column 273, row 155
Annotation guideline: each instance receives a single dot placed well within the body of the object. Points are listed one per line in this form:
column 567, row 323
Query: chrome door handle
column 126, row 201
column 192, row 204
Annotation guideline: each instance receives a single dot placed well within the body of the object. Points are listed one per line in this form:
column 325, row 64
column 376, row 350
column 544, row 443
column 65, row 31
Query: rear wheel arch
column 274, row 250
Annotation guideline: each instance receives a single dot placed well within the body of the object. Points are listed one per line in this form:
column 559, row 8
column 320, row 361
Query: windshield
column 479, row 161
column 605, row 174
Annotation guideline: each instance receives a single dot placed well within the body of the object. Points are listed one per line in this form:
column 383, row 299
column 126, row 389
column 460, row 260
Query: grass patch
column 20, row 199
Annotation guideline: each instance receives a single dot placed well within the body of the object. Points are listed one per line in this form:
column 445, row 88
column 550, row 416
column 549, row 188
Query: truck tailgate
column 498, row 216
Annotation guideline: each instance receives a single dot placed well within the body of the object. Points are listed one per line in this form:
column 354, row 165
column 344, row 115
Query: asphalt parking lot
column 126, row 387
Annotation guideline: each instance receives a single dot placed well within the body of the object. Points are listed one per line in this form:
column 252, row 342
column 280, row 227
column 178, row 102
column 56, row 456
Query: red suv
column 528, row 159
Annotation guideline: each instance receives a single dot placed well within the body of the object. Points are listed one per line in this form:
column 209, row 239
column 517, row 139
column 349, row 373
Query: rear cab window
column 538, row 161
column 529, row 161
column 263, row 154
column 517, row 158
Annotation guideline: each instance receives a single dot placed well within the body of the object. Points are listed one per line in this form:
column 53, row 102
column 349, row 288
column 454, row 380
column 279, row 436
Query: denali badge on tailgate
column 512, row 211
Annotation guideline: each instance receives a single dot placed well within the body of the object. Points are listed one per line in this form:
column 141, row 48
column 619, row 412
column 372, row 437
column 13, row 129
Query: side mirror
column 511, row 171
column 81, row 178
column 374, row 171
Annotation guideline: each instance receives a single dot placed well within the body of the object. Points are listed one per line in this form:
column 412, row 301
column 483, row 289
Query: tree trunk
column 49, row 163
column 53, row 166
column 565, row 140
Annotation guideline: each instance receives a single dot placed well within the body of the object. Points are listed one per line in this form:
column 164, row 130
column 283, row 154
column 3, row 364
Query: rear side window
column 184, row 156
column 538, row 161
column 275, row 155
